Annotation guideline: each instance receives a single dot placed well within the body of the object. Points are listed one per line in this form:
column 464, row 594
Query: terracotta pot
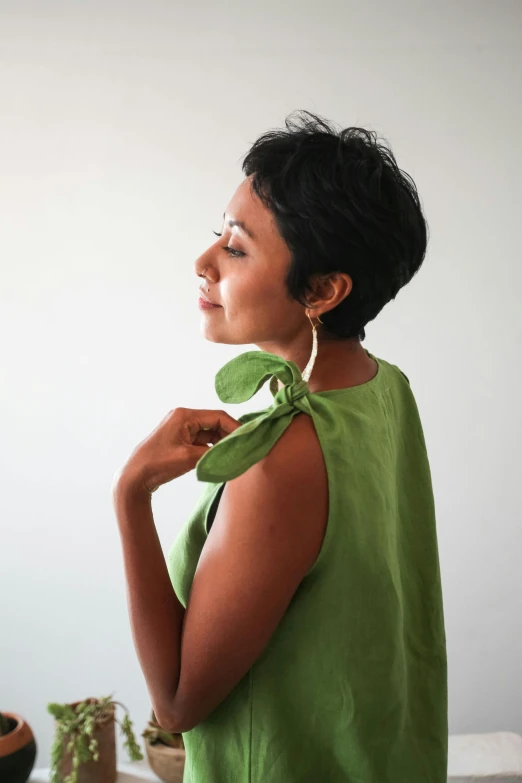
column 101, row 771
column 168, row 763
column 17, row 750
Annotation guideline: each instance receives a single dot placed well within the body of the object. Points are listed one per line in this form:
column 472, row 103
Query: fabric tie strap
column 238, row 381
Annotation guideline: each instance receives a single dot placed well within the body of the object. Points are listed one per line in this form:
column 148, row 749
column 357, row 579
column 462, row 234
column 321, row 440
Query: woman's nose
column 203, row 267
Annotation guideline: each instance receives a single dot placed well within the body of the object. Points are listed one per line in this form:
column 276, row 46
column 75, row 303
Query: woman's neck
column 340, row 363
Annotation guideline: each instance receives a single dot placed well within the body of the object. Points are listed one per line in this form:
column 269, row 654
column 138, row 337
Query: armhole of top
column 214, row 503
column 328, row 531
column 212, row 509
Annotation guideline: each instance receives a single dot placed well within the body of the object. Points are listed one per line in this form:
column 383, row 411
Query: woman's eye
column 230, row 250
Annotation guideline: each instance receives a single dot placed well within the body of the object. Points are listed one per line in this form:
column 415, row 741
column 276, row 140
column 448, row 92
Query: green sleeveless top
column 352, row 686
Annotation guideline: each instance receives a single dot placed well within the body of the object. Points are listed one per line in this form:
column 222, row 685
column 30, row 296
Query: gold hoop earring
column 309, row 367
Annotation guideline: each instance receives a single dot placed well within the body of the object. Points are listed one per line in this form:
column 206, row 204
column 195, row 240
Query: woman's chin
column 211, row 334
column 217, row 336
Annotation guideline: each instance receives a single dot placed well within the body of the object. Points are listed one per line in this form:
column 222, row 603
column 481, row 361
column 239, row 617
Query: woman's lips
column 204, row 305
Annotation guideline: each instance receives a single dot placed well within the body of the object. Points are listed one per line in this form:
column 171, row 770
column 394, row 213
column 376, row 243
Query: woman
column 304, row 640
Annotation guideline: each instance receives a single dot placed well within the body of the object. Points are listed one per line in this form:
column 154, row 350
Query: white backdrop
column 122, row 129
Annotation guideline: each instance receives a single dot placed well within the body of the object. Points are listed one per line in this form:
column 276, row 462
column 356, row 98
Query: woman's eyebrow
column 241, row 225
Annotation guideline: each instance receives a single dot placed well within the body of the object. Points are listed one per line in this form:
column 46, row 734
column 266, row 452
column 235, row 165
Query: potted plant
column 17, row 748
column 84, row 747
column 165, row 752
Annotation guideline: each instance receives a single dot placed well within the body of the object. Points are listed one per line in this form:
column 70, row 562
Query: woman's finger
column 206, row 436
column 218, row 422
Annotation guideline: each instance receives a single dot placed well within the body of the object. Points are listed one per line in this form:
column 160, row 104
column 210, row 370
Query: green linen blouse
column 352, row 686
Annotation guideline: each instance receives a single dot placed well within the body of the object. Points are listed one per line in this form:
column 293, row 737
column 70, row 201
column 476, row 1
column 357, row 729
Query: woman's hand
column 173, row 448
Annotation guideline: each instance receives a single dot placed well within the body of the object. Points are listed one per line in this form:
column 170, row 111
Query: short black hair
column 341, row 204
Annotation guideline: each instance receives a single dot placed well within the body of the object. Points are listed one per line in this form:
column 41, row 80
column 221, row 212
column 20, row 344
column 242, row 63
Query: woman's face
column 249, row 282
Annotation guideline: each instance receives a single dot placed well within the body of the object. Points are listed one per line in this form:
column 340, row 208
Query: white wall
column 122, row 128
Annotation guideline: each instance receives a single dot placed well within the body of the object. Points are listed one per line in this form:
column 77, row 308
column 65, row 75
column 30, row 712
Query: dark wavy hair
column 341, row 204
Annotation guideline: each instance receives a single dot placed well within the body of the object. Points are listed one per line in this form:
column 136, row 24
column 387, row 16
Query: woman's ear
column 329, row 290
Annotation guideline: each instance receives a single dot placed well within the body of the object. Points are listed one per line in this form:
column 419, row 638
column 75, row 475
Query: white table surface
column 485, row 758
column 133, row 772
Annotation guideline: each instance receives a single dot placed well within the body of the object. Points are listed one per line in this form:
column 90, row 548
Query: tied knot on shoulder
column 289, row 394
column 238, row 381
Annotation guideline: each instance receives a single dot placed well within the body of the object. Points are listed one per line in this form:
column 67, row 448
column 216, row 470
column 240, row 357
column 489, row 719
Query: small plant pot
column 17, row 750
column 165, row 752
column 166, row 762
column 104, row 770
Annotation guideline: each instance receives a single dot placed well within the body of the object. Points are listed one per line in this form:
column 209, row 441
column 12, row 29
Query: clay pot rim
column 20, row 723
column 18, row 737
